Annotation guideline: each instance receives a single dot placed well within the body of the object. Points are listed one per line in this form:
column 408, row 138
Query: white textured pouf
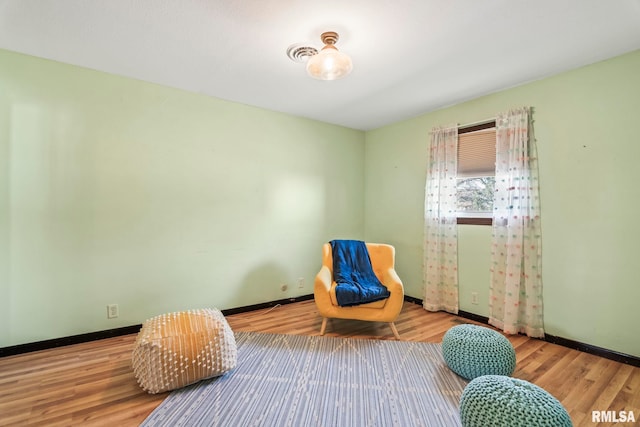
column 177, row 349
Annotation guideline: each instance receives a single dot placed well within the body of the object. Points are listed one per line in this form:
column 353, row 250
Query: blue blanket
column 353, row 274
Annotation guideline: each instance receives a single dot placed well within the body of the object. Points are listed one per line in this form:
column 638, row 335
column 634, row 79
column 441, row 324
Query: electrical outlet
column 112, row 311
column 300, row 282
column 283, row 287
column 474, row 298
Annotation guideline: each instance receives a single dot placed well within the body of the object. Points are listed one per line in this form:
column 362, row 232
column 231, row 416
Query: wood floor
column 93, row 384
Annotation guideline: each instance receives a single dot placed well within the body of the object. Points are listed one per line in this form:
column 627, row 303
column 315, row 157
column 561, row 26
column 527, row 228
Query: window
column 476, row 173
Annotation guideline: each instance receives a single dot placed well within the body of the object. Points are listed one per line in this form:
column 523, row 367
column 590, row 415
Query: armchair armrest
column 323, row 280
column 321, row 292
column 393, row 283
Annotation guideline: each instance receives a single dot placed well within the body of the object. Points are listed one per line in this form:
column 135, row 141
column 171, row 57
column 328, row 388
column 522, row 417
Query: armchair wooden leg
column 395, row 331
column 324, row 325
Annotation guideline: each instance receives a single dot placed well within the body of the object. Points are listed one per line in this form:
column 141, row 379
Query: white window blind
column 477, row 153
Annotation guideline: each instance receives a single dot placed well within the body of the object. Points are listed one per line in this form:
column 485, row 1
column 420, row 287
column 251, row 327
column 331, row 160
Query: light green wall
column 114, row 190
column 588, row 149
column 118, row 191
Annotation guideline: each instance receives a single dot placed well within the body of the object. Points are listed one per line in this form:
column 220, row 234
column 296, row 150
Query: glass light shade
column 329, row 64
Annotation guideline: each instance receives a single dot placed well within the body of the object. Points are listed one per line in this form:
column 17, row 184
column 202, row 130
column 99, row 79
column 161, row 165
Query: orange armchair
column 383, row 262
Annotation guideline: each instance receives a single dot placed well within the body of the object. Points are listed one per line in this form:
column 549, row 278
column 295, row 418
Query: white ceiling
column 409, row 56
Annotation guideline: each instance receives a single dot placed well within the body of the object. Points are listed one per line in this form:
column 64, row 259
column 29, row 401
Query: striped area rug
column 300, row 381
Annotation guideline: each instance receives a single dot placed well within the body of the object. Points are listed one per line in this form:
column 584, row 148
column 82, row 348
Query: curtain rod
column 480, row 122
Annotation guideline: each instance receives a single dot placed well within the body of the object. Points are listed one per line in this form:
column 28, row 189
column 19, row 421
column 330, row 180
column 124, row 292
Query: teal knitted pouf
column 472, row 351
column 496, row 400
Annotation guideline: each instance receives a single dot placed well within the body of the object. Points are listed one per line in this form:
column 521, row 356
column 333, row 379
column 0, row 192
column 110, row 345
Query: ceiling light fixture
column 329, row 63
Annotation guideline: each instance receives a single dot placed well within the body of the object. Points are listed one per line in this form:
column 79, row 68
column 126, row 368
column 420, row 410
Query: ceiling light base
column 329, row 37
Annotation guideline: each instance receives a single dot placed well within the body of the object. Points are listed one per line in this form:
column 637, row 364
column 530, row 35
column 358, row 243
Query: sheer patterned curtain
column 440, row 223
column 516, row 284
